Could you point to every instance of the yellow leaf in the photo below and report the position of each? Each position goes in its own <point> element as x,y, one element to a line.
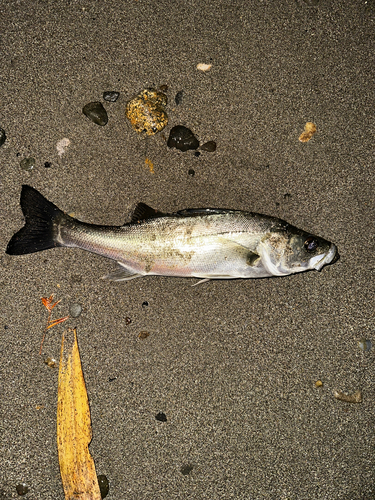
<point>74,425</point>
<point>150,165</point>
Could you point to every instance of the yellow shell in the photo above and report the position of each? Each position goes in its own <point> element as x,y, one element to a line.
<point>146,112</point>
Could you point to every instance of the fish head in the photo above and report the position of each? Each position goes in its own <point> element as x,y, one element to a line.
<point>288,250</point>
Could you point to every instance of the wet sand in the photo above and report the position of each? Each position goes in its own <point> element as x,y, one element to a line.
<point>232,364</point>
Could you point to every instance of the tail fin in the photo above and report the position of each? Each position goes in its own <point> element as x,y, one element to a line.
<point>38,231</point>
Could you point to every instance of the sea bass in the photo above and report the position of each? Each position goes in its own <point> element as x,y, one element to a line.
<point>206,243</point>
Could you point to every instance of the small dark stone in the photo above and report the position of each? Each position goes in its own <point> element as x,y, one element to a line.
<point>6,327</point>
<point>96,112</point>
<point>3,136</point>
<point>162,417</point>
<point>22,489</point>
<point>179,97</point>
<point>128,320</point>
<point>191,172</point>
<point>48,164</point>
<point>182,138</point>
<point>111,96</point>
<point>143,335</point>
<point>209,146</point>
<point>103,485</point>
<point>145,303</point>
<point>163,88</point>
<point>111,379</point>
<point>186,469</point>
<point>197,154</point>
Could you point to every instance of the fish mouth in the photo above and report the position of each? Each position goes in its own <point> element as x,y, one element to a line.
<point>330,258</point>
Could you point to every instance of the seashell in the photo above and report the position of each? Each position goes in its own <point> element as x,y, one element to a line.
<point>349,398</point>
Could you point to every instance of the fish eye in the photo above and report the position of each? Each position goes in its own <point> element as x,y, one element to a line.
<point>311,244</point>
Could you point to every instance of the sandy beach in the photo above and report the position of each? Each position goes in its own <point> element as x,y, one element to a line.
<point>232,364</point>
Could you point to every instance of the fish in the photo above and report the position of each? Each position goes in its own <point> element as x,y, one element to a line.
<point>205,243</point>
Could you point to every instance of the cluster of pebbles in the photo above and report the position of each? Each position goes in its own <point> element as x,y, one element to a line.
<point>147,115</point>
<point>182,138</point>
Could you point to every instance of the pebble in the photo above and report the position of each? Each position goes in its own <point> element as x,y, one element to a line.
<point>179,97</point>
<point>51,362</point>
<point>146,112</point>
<point>162,417</point>
<point>3,136</point>
<point>209,146</point>
<point>143,335</point>
<point>311,3</point>
<point>186,469</point>
<point>103,485</point>
<point>365,344</point>
<point>182,138</point>
<point>22,489</point>
<point>75,310</point>
<point>47,164</point>
<point>111,96</point>
<point>27,164</point>
<point>96,112</point>
<point>191,172</point>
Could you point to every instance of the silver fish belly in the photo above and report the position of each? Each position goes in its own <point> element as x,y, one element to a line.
<point>201,243</point>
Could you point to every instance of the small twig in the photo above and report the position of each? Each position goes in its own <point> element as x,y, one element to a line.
<point>49,305</point>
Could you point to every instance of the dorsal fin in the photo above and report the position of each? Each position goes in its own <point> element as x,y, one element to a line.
<point>192,212</point>
<point>143,212</point>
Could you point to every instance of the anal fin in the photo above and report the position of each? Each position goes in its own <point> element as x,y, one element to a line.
<point>122,273</point>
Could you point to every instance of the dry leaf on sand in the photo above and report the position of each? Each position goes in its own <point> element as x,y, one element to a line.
<point>74,425</point>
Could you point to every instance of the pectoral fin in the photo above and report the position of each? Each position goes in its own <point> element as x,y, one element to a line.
<point>235,263</point>
<point>235,249</point>
<point>122,273</point>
